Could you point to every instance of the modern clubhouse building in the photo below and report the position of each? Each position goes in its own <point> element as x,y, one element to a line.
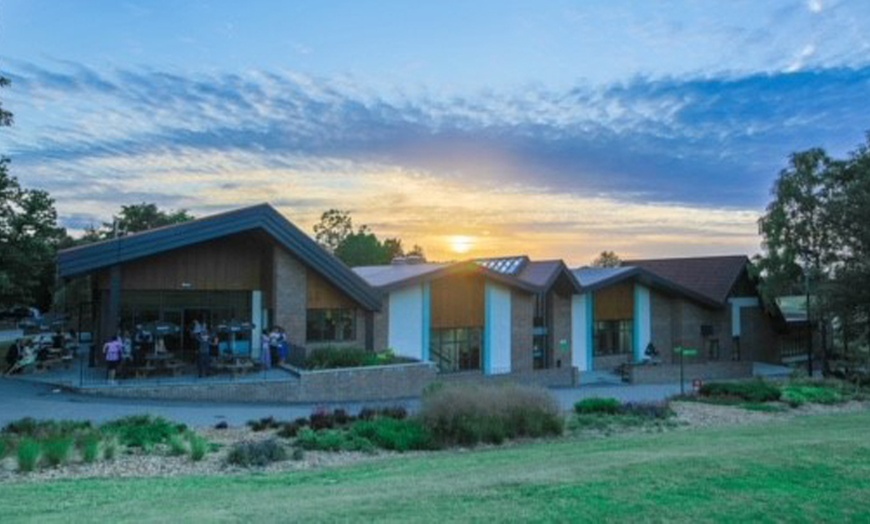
<point>508,316</point>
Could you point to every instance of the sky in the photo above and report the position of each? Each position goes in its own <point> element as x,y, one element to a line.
<point>556,129</point>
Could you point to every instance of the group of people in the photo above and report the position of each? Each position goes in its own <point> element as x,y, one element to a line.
<point>274,347</point>
<point>26,351</point>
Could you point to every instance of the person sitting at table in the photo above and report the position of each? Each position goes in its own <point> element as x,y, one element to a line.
<point>12,356</point>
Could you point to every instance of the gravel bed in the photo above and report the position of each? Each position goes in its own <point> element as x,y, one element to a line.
<point>689,415</point>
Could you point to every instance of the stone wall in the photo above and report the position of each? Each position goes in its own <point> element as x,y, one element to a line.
<point>554,377</point>
<point>336,385</point>
<point>522,317</point>
<point>665,373</point>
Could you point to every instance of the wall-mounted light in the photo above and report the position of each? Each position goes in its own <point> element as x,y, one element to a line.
<point>186,285</point>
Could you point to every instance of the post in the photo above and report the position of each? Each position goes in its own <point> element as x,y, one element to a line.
<point>682,372</point>
<point>809,325</point>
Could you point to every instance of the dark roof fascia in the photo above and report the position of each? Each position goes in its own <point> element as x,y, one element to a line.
<point>92,257</point>
<point>563,269</point>
<point>456,268</point>
<point>653,280</point>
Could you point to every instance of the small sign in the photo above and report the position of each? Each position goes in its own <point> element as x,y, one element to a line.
<point>686,352</point>
<point>563,346</point>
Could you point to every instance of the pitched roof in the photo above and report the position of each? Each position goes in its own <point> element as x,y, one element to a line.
<point>92,257</point>
<point>393,276</point>
<point>711,277</point>
<point>595,278</point>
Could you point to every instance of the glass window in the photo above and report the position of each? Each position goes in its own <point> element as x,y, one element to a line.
<point>330,325</point>
<point>613,337</point>
<point>456,349</point>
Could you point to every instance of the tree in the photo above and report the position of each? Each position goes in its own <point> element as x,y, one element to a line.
<point>335,225</point>
<point>29,235</point>
<point>142,217</point>
<point>335,233</point>
<point>607,259</point>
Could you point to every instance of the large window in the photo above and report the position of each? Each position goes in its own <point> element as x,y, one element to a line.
<point>456,349</point>
<point>613,337</point>
<point>330,325</point>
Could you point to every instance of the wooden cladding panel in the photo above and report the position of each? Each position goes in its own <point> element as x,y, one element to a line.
<point>615,302</point>
<point>458,301</point>
<point>227,264</point>
<point>323,295</point>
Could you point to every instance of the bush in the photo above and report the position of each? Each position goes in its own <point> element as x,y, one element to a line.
<point>4,447</point>
<point>262,453</point>
<point>331,358</point>
<point>798,395</point>
<point>55,450</point>
<point>607,406</point>
<point>28,454</point>
<point>42,429</point>
<point>110,449</point>
<point>394,434</point>
<point>333,440</point>
<point>143,431</point>
<point>263,424</point>
<point>648,410</point>
<point>177,446</point>
<point>749,391</point>
<point>198,447</point>
<point>470,414</point>
<point>90,448</point>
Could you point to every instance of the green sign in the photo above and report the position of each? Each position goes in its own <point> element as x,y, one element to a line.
<point>686,352</point>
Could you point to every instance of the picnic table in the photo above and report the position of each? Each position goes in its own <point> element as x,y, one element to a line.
<point>236,365</point>
<point>159,362</point>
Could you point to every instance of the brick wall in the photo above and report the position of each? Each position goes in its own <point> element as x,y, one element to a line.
<point>381,325</point>
<point>561,322</point>
<point>758,339</point>
<point>291,295</point>
<point>338,385</point>
<point>554,377</point>
<point>522,317</point>
<point>646,374</point>
<point>661,323</point>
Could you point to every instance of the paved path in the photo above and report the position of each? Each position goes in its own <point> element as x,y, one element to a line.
<point>25,398</point>
<point>21,398</point>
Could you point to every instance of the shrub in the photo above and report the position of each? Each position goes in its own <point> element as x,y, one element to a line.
<point>28,454</point>
<point>799,395</point>
<point>608,406</point>
<point>261,453</point>
<point>263,424</point>
<point>649,410</point>
<point>143,431</point>
<point>90,448</point>
<point>331,358</point>
<point>42,429</point>
<point>55,450</point>
<point>110,449</point>
<point>176,446</point>
<point>198,447</point>
<point>333,440</point>
<point>298,454</point>
<point>749,391</point>
<point>469,414</point>
<point>289,429</point>
<point>394,434</point>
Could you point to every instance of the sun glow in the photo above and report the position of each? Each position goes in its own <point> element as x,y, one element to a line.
<point>461,244</point>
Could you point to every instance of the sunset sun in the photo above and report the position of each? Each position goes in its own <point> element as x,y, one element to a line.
<point>461,244</point>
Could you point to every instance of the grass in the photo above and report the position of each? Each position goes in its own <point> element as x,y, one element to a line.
<point>807,469</point>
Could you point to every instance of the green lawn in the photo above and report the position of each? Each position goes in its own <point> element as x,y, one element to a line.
<point>811,469</point>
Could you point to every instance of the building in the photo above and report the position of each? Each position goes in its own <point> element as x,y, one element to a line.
<point>650,307</point>
<point>250,265</point>
<point>491,316</point>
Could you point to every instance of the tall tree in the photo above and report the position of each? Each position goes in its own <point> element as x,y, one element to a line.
<point>335,225</point>
<point>29,235</point>
<point>142,217</point>
<point>607,259</point>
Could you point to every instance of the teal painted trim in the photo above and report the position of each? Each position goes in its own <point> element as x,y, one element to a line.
<point>590,330</point>
<point>427,321</point>
<point>487,330</point>
<point>635,325</point>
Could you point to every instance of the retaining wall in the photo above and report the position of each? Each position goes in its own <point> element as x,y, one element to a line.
<point>656,374</point>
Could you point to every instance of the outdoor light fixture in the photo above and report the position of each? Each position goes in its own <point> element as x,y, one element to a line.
<point>186,285</point>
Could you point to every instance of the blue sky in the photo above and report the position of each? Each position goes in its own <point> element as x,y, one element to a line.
<point>558,129</point>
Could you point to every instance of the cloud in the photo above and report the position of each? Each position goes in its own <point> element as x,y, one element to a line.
<point>99,139</point>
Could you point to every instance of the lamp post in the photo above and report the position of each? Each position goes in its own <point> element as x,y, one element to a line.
<point>807,254</point>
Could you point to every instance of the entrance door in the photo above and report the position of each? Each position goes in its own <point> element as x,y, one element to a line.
<point>174,342</point>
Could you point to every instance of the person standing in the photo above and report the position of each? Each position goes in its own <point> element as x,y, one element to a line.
<point>113,351</point>
<point>203,357</point>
